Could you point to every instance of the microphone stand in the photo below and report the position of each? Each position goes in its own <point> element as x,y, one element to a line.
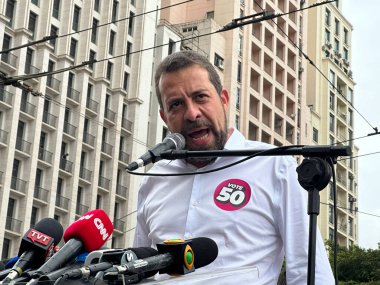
<point>314,174</point>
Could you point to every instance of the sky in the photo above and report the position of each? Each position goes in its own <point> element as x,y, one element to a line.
<point>365,63</point>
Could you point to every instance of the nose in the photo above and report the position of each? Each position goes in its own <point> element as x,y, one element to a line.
<point>192,112</point>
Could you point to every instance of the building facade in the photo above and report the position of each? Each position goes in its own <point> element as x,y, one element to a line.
<point>331,102</point>
<point>64,150</point>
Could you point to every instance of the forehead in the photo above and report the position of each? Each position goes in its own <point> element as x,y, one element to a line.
<point>192,77</point>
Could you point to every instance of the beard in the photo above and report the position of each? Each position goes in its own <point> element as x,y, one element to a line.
<point>220,141</point>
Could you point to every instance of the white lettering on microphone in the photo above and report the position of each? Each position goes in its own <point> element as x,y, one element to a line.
<point>86,217</point>
<point>100,226</point>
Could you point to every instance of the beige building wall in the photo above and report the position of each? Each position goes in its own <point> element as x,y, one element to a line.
<point>333,114</point>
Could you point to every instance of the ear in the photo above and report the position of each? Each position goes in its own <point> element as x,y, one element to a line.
<point>163,117</point>
<point>225,98</point>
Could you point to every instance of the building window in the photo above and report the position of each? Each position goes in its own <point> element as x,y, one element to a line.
<point>336,45</point>
<point>76,18</point>
<point>331,214</point>
<point>9,11</point>
<point>126,81</point>
<point>219,61</point>
<point>97,5</point>
<point>237,122</point>
<point>28,61</point>
<point>332,101</point>
<point>337,26</point>
<point>35,2</point>
<point>111,47</point>
<point>345,54</point>
<point>34,216</point>
<point>53,32</point>
<point>109,70</point>
<point>171,47</point>
<point>315,135</point>
<point>332,123</point>
<point>32,23</point>
<point>92,57</point>
<point>115,7</point>
<point>239,72</point>
<point>94,31</point>
<point>128,54</point>
<point>131,21</point>
<point>133,3</point>
<point>327,17</point>
<point>210,15</point>
<point>332,79</point>
<point>238,98</point>
<point>6,249</point>
<point>345,36</point>
<point>55,12</point>
<point>73,48</point>
<point>327,36</point>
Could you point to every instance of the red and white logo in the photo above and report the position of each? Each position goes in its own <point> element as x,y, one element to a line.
<point>232,194</point>
<point>39,237</point>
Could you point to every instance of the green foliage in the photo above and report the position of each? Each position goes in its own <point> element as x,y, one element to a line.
<point>356,265</point>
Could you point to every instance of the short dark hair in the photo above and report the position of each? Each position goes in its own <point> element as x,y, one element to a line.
<point>182,59</point>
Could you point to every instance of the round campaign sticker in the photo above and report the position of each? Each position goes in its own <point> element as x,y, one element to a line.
<point>232,194</point>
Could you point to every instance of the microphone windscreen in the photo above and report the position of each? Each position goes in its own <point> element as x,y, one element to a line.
<point>50,227</point>
<point>205,251</point>
<point>144,252</point>
<point>47,226</point>
<point>93,229</point>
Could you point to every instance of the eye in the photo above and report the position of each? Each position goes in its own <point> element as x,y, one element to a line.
<point>201,97</point>
<point>175,104</point>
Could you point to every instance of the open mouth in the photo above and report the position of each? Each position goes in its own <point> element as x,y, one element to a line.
<point>199,134</point>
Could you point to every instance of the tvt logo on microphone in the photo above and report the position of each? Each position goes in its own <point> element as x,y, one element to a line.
<point>232,194</point>
<point>36,236</point>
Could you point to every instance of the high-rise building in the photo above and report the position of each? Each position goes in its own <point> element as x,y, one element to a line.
<point>330,95</point>
<point>64,147</point>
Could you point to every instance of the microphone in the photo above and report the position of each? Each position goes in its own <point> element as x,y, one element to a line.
<point>36,246</point>
<point>107,260</point>
<point>174,141</point>
<point>88,233</point>
<point>174,257</point>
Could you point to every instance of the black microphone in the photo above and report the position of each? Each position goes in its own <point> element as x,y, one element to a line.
<point>88,233</point>
<point>36,247</point>
<point>174,141</point>
<point>174,257</point>
<point>107,260</point>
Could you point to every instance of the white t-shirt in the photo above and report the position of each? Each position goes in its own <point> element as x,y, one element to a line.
<point>255,211</point>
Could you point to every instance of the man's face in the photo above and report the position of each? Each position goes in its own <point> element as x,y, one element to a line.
<point>192,107</point>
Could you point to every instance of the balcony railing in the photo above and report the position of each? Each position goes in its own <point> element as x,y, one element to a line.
<point>49,119</point>
<point>123,156</point>
<point>62,202</point>
<point>3,136</point>
<point>23,145</point>
<point>66,165</point>
<point>69,129</point>
<point>18,184</point>
<point>126,124</point>
<point>28,108</point>
<point>107,148</point>
<point>104,182</point>
<point>73,94</point>
<point>6,97</point>
<point>118,225</point>
<point>121,190</point>
<point>110,115</point>
<point>30,69</point>
<point>13,225</point>
<point>88,139</point>
<point>9,58</point>
<point>81,209</point>
<point>53,83</point>
<point>92,105</point>
<point>40,193</point>
<point>85,174</point>
<point>45,155</point>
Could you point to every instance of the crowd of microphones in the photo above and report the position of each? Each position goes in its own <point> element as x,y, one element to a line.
<point>83,259</point>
